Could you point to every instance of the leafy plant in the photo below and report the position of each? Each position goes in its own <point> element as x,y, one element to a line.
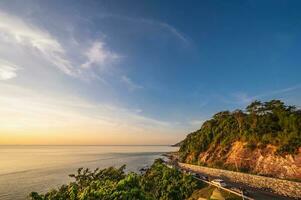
<point>159,182</point>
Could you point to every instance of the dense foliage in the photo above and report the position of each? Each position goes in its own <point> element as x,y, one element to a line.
<point>165,183</point>
<point>260,124</point>
<point>159,182</point>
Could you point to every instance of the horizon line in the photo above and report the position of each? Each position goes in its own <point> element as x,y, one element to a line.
<point>86,144</point>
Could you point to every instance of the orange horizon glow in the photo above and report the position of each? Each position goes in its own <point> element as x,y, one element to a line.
<point>29,119</point>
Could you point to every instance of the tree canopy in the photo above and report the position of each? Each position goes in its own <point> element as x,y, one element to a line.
<point>159,182</point>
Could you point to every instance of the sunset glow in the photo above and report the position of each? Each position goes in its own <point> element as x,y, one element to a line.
<point>123,75</point>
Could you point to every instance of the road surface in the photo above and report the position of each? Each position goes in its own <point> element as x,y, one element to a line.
<point>253,193</point>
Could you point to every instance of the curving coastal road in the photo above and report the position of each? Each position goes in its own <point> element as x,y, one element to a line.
<point>252,193</point>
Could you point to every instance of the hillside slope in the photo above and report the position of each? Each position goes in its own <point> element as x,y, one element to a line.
<point>265,139</point>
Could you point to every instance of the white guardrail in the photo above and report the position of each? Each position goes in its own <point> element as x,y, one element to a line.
<point>223,188</point>
<point>226,189</point>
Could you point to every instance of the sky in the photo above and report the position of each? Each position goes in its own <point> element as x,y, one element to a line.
<point>140,72</point>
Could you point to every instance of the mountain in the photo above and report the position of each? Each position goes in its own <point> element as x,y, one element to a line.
<point>264,139</point>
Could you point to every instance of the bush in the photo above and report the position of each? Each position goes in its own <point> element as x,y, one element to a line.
<point>159,182</point>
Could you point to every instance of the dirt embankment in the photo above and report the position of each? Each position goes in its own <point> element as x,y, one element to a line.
<point>262,161</point>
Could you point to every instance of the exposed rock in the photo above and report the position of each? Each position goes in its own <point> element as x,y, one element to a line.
<point>263,161</point>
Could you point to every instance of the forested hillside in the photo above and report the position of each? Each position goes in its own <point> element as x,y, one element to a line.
<point>267,128</point>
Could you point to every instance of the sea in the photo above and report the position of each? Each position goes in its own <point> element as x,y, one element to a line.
<point>24,169</point>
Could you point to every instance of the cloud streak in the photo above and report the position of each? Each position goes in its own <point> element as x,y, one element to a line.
<point>97,54</point>
<point>23,34</point>
<point>245,98</point>
<point>7,70</point>
<point>173,30</point>
<point>15,30</point>
<point>130,84</point>
<point>162,25</point>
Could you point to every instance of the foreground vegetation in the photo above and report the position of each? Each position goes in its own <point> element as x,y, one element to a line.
<point>159,182</point>
<point>259,125</point>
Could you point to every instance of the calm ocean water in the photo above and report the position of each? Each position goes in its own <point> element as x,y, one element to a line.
<point>38,168</point>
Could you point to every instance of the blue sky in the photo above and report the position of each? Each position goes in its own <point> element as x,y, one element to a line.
<point>156,69</point>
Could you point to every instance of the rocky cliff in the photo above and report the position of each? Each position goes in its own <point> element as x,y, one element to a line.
<point>262,161</point>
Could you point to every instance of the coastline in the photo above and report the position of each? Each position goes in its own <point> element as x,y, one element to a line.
<point>42,168</point>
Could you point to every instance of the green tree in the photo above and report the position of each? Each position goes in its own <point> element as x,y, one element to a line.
<point>160,182</point>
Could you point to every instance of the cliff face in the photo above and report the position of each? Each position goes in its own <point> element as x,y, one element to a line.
<point>262,161</point>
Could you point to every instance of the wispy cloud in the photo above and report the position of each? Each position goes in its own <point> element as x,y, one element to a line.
<point>173,30</point>
<point>162,25</point>
<point>244,98</point>
<point>97,54</point>
<point>41,42</point>
<point>130,84</point>
<point>281,91</point>
<point>16,30</point>
<point>7,70</point>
